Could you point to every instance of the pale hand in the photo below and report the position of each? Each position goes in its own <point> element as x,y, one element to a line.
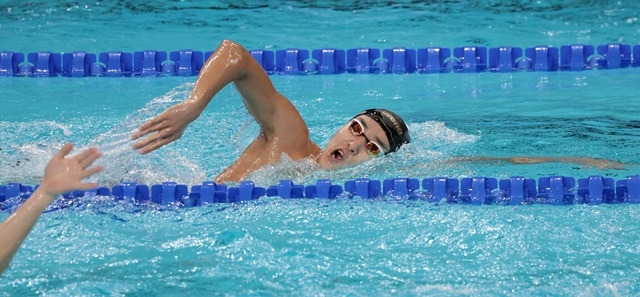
<point>166,127</point>
<point>64,174</point>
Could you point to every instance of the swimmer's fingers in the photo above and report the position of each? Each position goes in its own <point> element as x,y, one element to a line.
<point>151,125</point>
<point>87,157</point>
<point>160,130</point>
<point>158,139</point>
<point>91,171</point>
<point>64,151</point>
<point>142,144</point>
<point>155,145</point>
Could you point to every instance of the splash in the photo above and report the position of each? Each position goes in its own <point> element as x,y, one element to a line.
<point>300,172</point>
<point>212,143</point>
<point>122,163</point>
<point>431,150</point>
<point>434,134</point>
<point>433,144</point>
<point>25,163</point>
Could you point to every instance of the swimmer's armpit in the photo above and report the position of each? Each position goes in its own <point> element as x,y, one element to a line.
<point>589,162</point>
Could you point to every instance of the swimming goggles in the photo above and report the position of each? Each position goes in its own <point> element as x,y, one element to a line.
<point>357,129</point>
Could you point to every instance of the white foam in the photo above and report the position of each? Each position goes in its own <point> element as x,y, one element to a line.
<point>122,163</point>
<point>25,163</point>
<point>432,144</point>
<point>436,134</point>
<point>299,172</point>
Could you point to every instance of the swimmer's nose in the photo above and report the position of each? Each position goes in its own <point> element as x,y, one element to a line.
<point>356,145</point>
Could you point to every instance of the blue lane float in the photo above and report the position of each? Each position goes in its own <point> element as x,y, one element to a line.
<point>362,60</point>
<point>130,191</point>
<point>577,57</point>
<point>290,61</point>
<point>246,191</point>
<point>114,64</point>
<point>441,188</point>
<point>507,59</point>
<point>597,190</point>
<point>517,190</point>
<point>543,58</point>
<point>207,193</point>
<point>363,188</point>
<point>265,59</point>
<point>286,189</point>
<point>322,189</point>
<point>13,190</point>
<point>10,62</point>
<point>77,64</point>
<point>188,62</point>
<point>398,61</point>
<point>615,55</point>
<point>293,61</point>
<point>433,59</point>
<point>478,190</point>
<point>45,64</point>
<point>149,62</point>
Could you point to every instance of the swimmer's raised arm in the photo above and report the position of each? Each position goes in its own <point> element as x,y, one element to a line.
<point>229,63</point>
<point>61,175</point>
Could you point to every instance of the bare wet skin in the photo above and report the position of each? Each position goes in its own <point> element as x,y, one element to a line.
<point>584,161</point>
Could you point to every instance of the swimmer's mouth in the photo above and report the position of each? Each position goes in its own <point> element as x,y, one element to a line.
<point>337,155</point>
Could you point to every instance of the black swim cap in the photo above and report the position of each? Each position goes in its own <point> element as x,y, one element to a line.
<point>392,125</point>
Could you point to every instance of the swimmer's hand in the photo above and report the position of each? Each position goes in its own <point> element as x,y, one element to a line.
<point>64,174</point>
<point>61,175</point>
<point>166,127</point>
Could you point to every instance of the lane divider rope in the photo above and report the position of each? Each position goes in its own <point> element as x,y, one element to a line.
<point>292,61</point>
<point>556,190</point>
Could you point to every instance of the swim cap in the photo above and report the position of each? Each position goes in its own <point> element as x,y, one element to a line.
<point>392,125</point>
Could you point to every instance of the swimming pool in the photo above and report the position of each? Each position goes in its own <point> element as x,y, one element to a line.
<point>337,247</point>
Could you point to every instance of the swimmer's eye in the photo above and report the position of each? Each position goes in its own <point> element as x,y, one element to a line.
<point>373,148</point>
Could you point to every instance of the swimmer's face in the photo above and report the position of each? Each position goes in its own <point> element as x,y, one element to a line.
<point>359,140</point>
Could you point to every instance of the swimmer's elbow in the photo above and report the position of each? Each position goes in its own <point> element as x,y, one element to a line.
<point>236,55</point>
<point>233,47</point>
<point>229,43</point>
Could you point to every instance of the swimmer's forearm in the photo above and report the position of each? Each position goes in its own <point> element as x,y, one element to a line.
<point>233,63</point>
<point>15,228</point>
<point>229,63</point>
<point>225,65</point>
<point>599,163</point>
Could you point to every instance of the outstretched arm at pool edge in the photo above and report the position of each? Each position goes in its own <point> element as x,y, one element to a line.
<point>61,175</point>
<point>598,163</point>
<point>229,63</point>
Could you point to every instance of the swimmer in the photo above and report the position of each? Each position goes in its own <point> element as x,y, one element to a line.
<point>61,175</point>
<point>372,133</point>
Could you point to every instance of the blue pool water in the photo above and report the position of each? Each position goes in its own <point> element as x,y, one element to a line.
<point>338,247</point>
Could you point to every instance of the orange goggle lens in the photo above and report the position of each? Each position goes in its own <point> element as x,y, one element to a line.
<point>373,148</point>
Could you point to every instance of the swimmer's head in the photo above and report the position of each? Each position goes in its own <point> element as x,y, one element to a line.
<point>371,133</point>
